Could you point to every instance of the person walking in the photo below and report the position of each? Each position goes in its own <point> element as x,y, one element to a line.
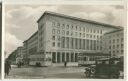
<point>65,64</point>
<point>7,67</point>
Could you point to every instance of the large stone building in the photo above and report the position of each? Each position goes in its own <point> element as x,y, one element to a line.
<point>62,38</point>
<point>114,43</point>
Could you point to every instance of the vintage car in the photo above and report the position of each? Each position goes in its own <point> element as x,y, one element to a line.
<point>106,68</point>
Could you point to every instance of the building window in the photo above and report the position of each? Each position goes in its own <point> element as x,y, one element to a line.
<point>87,35</point>
<point>122,51</point>
<point>97,31</point>
<point>100,31</point>
<point>58,38</point>
<point>90,36</point>
<point>97,37</point>
<point>63,42</point>
<point>58,24</point>
<point>113,46</point>
<point>100,37</point>
<point>71,33</point>
<point>76,28</point>
<point>83,34</point>
<point>113,52</point>
<point>122,45</point>
<point>67,26</point>
<point>117,46</point>
<point>117,40</point>
<point>58,31</point>
<point>72,27</point>
<point>117,35</point>
<point>94,31</point>
<point>80,34</point>
<point>117,51</point>
<point>109,47</point>
<point>53,44</point>
<point>67,33</point>
<point>91,31</point>
<point>53,24</point>
<point>113,40</point>
<point>83,29</point>
<point>94,36</point>
<point>109,52</point>
<point>53,37</point>
<point>122,39</point>
<point>79,28</point>
<point>58,44</point>
<point>63,26</point>
<point>63,32</point>
<point>53,31</point>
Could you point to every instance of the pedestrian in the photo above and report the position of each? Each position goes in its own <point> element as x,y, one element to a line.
<point>7,67</point>
<point>65,63</point>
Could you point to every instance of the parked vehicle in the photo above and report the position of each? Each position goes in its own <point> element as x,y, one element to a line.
<point>89,71</point>
<point>105,68</point>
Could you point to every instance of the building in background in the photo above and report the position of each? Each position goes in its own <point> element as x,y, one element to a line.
<point>12,57</point>
<point>16,56</point>
<point>114,43</point>
<point>30,48</point>
<point>19,55</point>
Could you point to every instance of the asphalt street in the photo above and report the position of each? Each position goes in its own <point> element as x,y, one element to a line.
<point>46,73</point>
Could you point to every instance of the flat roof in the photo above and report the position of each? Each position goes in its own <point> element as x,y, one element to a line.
<point>76,18</point>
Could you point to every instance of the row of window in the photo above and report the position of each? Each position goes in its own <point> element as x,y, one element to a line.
<point>116,40</point>
<point>91,58</point>
<point>115,52</point>
<point>33,50</point>
<point>75,27</point>
<point>116,46</point>
<point>117,35</point>
<point>74,43</point>
<point>76,34</point>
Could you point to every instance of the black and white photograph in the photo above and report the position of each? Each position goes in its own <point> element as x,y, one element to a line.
<point>64,41</point>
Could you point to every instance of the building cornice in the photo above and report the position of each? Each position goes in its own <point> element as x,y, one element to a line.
<point>76,18</point>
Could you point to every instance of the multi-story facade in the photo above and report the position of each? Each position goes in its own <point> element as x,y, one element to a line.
<point>62,38</point>
<point>19,55</point>
<point>25,56</point>
<point>114,43</point>
<point>30,48</point>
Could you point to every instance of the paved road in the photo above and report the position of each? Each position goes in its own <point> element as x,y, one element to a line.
<point>46,72</point>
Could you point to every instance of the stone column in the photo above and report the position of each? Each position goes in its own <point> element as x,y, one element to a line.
<point>69,57</point>
<point>65,56</point>
<point>60,57</point>
<point>74,57</point>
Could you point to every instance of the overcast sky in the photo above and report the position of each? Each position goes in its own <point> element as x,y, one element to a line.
<point>21,20</point>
